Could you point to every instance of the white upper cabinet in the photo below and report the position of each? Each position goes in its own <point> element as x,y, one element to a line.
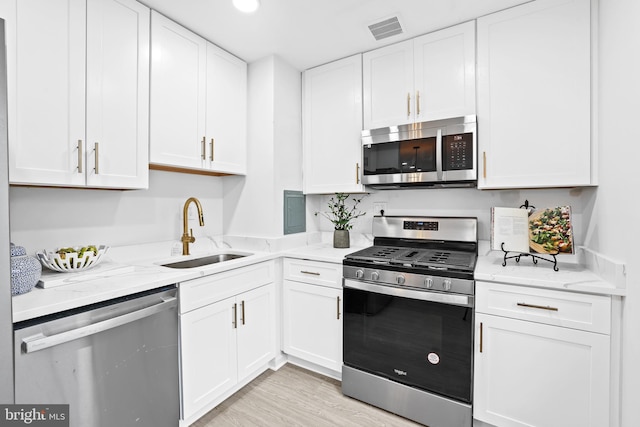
<point>388,96</point>
<point>198,102</point>
<point>534,94</point>
<point>445,73</point>
<point>80,81</point>
<point>427,78</point>
<point>332,126</point>
<point>178,90</point>
<point>226,120</point>
<point>117,94</point>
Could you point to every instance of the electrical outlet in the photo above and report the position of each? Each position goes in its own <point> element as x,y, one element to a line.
<point>379,208</point>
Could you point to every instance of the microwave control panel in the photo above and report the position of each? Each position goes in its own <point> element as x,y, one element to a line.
<point>457,151</point>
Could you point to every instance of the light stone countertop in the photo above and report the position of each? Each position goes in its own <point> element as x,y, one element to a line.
<point>148,274</point>
<point>570,276</point>
<point>321,252</point>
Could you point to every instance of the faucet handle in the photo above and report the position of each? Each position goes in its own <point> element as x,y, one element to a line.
<point>191,238</point>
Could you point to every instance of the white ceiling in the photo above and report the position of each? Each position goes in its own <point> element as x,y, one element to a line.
<point>307,33</point>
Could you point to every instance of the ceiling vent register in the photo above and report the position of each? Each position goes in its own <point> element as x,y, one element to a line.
<point>387,28</point>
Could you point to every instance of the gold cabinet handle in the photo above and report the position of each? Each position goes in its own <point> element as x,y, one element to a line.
<point>539,307</point>
<point>484,164</point>
<point>338,308</point>
<point>313,273</point>
<point>357,173</point>
<point>79,156</point>
<point>234,319</point>
<point>417,103</point>
<point>212,148</point>
<point>408,104</point>
<point>242,305</point>
<point>96,155</point>
<point>204,143</point>
<point>480,337</point>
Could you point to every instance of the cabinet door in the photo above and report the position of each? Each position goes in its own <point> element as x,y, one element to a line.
<point>178,89</point>
<point>388,89</point>
<point>208,354</point>
<point>534,86</point>
<point>530,374</point>
<point>312,323</point>
<point>444,73</point>
<point>256,329</point>
<point>226,112</point>
<point>117,94</point>
<point>332,127</point>
<point>47,142</point>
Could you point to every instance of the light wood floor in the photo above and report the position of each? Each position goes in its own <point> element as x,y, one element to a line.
<point>293,396</point>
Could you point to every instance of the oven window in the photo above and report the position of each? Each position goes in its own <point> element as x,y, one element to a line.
<point>416,155</point>
<point>418,343</point>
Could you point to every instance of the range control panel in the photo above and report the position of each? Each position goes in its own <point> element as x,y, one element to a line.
<point>421,225</point>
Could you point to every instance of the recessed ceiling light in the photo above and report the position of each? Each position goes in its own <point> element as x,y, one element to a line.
<point>246,6</point>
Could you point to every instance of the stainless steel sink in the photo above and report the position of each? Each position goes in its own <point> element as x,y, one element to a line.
<point>199,262</point>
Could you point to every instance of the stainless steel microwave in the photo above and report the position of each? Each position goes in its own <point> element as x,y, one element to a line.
<point>432,154</point>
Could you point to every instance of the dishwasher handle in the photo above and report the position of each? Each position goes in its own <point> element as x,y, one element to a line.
<point>40,341</point>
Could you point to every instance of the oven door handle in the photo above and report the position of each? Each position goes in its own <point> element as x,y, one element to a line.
<point>452,299</point>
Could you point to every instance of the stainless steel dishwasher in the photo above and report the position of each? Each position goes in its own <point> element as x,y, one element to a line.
<point>115,363</point>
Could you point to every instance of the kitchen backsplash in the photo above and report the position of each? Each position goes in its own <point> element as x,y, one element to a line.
<point>463,202</point>
<point>51,217</point>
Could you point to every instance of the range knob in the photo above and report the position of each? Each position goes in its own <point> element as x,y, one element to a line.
<point>428,282</point>
<point>359,274</point>
<point>446,284</point>
<point>375,275</point>
<point>400,279</point>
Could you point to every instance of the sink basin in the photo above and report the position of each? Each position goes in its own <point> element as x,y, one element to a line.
<point>207,260</point>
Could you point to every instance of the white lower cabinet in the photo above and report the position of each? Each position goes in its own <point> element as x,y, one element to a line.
<point>312,312</point>
<point>532,370</point>
<point>224,343</point>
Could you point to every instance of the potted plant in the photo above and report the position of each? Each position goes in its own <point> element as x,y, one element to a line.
<point>342,216</point>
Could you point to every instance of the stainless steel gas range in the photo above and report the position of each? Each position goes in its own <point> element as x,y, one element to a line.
<point>408,319</point>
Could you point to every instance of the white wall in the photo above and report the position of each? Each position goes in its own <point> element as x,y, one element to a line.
<point>253,204</point>
<point>464,202</point>
<point>613,229</point>
<point>47,218</point>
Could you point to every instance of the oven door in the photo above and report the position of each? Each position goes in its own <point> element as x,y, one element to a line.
<point>417,338</point>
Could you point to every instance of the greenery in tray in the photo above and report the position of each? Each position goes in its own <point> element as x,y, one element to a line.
<point>340,214</point>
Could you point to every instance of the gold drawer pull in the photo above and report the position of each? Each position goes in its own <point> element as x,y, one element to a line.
<point>97,158</point>
<point>309,272</point>
<point>484,164</point>
<point>79,156</point>
<point>540,307</point>
<point>338,308</point>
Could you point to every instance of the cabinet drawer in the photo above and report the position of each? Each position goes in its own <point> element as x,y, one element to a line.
<point>316,272</point>
<point>207,290</point>
<point>568,309</point>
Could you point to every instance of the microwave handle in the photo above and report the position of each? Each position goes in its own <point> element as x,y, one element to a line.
<point>439,142</point>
